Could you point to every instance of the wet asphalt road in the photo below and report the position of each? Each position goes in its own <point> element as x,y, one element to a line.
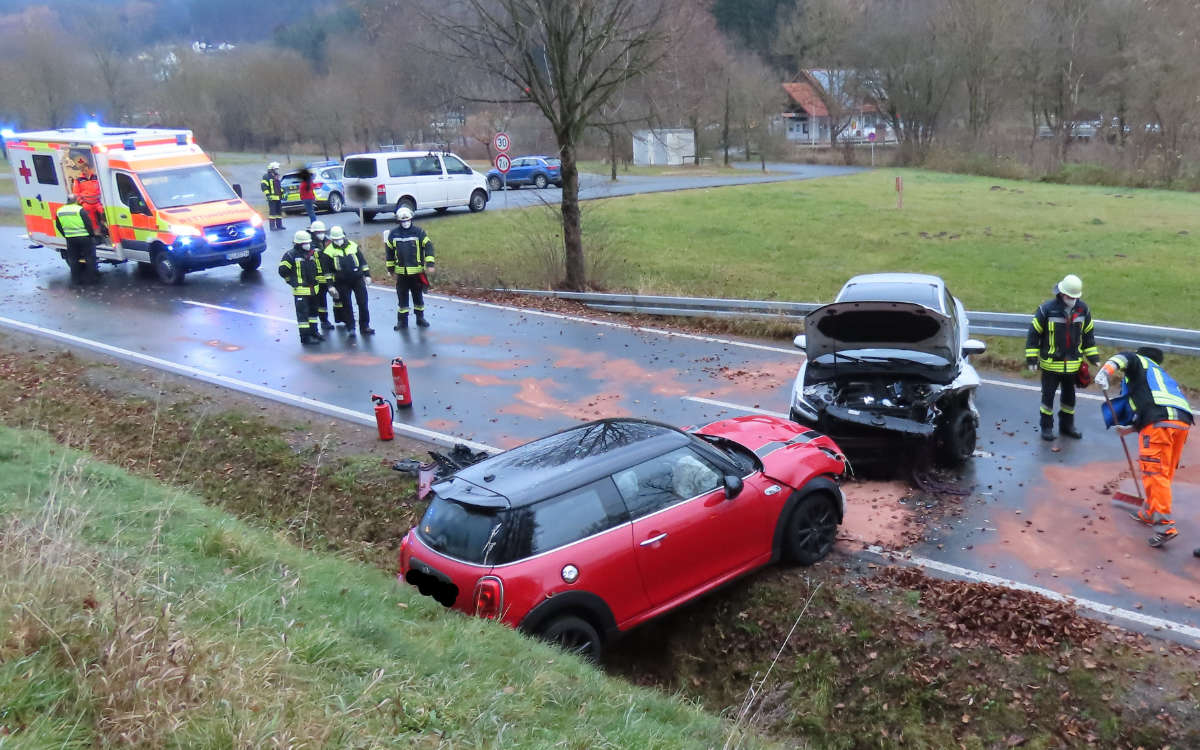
<point>502,376</point>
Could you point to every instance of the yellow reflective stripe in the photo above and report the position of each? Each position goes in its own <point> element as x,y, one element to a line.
<point>1031,352</point>
<point>1037,325</point>
<point>1066,409</point>
<point>1050,337</point>
<point>1119,360</point>
<point>1088,327</point>
<point>1092,351</point>
<point>1164,397</point>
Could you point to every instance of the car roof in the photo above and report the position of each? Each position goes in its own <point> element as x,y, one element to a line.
<point>920,288</point>
<point>387,154</point>
<point>570,458</point>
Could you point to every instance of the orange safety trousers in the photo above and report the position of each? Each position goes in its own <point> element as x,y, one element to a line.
<point>1160,446</point>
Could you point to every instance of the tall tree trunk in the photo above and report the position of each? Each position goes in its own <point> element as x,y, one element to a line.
<point>572,230</point>
<point>725,124</point>
<point>612,154</point>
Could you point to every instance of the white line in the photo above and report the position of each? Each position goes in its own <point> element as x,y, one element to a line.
<point>419,433</point>
<point>1037,389</point>
<point>735,407</point>
<point>1104,609</point>
<point>239,312</point>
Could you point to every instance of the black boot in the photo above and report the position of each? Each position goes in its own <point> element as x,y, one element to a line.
<point>1066,425</point>
<point>1047,427</point>
<point>401,321</point>
<point>421,322</point>
<point>366,330</point>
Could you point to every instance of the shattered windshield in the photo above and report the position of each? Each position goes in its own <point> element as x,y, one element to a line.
<point>172,188</point>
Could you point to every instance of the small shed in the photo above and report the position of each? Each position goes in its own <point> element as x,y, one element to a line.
<point>670,147</point>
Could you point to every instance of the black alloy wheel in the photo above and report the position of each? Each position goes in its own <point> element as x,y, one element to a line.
<point>958,438</point>
<point>812,528</point>
<point>574,635</point>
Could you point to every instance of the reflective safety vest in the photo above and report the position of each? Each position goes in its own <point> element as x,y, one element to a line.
<point>271,188</point>
<point>348,261</point>
<point>70,218</point>
<point>1154,395</point>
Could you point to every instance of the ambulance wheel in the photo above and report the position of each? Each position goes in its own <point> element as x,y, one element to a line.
<point>252,263</point>
<point>167,269</point>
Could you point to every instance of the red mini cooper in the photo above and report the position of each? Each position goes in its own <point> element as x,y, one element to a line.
<point>586,533</point>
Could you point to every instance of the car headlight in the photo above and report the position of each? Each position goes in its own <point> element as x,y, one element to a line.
<point>255,220</point>
<point>184,230</point>
<point>818,394</point>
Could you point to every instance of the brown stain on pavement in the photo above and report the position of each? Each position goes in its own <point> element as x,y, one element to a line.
<point>534,400</point>
<point>479,341</point>
<point>442,425</point>
<point>874,514</point>
<point>331,357</point>
<point>1072,536</point>
<point>760,379</point>
<point>491,364</point>
<point>223,345</point>
<point>619,371</point>
<point>486,380</point>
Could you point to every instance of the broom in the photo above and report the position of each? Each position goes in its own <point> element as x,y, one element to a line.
<point>1117,495</point>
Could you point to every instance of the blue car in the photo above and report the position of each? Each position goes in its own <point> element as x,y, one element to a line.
<point>539,171</point>
<point>327,187</point>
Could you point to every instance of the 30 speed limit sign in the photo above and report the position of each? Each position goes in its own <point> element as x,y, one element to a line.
<point>501,142</point>
<point>503,163</point>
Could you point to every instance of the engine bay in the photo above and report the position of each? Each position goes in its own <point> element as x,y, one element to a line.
<point>908,399</point>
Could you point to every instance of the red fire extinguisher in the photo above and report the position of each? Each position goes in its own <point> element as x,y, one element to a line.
<point>383,416</point>
<point>400,388</point>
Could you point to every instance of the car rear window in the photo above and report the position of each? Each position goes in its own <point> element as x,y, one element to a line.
<point>919,294</point>
<point>554,162</point>
<point>361,168</point>
<point>464,532</point>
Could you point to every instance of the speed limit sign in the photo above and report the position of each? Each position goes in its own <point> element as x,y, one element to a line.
<point>501,142</point>
<point>503,163</point>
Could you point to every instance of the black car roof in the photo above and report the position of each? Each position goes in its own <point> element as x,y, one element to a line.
<point>565,460</point>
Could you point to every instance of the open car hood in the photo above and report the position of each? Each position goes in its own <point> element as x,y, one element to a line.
<point>845,326</point>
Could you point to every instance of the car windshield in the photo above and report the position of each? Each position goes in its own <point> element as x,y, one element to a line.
<point>465,532</point>
<point>188,186</point>
<point>739,454</point>
<point>554,162</point>
<point>922,294</point>
<point>881,356</point>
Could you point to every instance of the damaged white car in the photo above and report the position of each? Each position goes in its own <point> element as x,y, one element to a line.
<point>887,363</point>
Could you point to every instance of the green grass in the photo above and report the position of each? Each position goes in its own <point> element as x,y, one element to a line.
<point>135,614</point>
<point>999,250</point>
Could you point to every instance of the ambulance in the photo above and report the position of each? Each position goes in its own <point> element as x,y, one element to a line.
<point>164,204</point>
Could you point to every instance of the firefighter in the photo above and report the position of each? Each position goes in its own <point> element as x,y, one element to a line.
<point>75,226</point>
<point>1060,334</point>
<point>272,190</point>
<point>350,275</point>
<point>409,253</point>
<point>320,240</point>
<point>87,193</point>
<point>1162,418</point>
<point>299,269</point>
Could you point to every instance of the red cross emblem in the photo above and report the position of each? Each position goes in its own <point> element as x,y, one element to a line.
<point>24,172</point>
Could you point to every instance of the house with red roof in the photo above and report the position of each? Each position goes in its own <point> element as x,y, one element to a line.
<point>808,119</point>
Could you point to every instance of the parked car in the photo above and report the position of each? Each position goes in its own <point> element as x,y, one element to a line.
<point>887,363</point>
<point>382,182</point>
<point>584,534</point>
<point>539,171</point>
<point>327,187</point>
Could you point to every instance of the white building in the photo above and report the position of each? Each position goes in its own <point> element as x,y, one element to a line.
<point>670,147</point>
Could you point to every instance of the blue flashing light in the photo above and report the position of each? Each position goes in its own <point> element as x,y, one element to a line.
<point>184,241</point>
<point>7,133</point>
<point>92,127</point>
<point>211,237</point>
<point>180,139</point>
<point>129,144</point>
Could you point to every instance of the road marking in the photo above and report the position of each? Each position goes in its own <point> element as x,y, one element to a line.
<point>419,433</point>
<point>1037,389</point>
<point>735,407</point>
<point>1103,609</point>
<point>239,312</point>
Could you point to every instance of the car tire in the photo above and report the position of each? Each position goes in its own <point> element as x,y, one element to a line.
<point>252,263</point>
<point>575,635</point>
<point>540,182</point>
<point>494,183</point>
<point>167,270</point>
<point>478,202</point>
<point>958,436</point>
<point>336,204</point>
<point>408,203</point>
<point>811,528</point>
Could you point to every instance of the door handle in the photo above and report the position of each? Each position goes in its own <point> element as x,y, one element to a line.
<point>653,539</point>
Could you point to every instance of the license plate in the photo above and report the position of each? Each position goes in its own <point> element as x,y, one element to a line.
<point>239,254</point>
<point>292,197</point>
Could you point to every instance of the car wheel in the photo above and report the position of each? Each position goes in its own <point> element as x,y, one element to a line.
<point>540,182</point>
<point>958,437</point>
<point>812,528</point>
<point>478,201</point>
<point>575,635</point>
<point>167,269</point>
<point>494,183</point>
<point>252,263</point>
<point>408,203</point>
<point>336,204</point>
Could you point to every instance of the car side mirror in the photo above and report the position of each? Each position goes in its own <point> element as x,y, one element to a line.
<point>972,347</point>
<point>733,486</point>
<point>800,342</point>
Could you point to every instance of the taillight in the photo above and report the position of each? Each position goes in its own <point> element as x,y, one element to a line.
<point>318,185</point>
<point>489,598</point>
<point>381,193</point>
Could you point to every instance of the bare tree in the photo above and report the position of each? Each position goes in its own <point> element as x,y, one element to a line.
<point>819,36</point>
<point>569,59</point>
<point>977,29</point>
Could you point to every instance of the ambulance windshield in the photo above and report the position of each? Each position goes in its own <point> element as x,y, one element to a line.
<point>187,186</point>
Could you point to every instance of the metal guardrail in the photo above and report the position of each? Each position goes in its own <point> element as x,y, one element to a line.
<point>1109,333</point>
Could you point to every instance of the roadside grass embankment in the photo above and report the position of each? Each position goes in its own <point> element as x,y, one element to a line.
<point>136,615</point>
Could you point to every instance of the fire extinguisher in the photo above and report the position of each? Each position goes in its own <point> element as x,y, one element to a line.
<point>400,387</point>
<point>383,416</point>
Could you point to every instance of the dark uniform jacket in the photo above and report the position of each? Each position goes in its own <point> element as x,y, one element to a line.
<point>271,187</point>
<point>1059,338</point>
<point>300,271</point>
<point>1153,394</point>
<point>408,250</point>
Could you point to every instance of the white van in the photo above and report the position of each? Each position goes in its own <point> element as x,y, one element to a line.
<point>383,182</point>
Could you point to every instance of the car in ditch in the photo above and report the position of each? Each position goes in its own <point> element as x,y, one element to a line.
<point>887,364</point>
<point>581,535</point>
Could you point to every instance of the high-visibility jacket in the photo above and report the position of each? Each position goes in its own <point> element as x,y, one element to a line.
<point>87,190</point>
<point>300,270</point>
<point>325,264</point>
<point>407,251</point>
<point>271,187</point>
<point>1154,395</point>
<point>1059,338</point>
<point>72,221</point>
<point>349,263</point>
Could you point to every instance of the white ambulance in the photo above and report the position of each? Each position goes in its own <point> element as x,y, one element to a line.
<point>163,203</point>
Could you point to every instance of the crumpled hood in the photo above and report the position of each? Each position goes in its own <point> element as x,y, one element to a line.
<point>843,326</point>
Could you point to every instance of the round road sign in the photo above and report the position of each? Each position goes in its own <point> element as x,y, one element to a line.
<point>503,163</point>
<point>871,136</point>
<point>501,142</point>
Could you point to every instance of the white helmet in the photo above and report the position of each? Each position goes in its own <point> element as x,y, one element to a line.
<point>336,233</point>
<point>317,226</point>
<point>301,237</point>
<point>404,214</point>
<point>273,165</point>
<point>1071,286</point>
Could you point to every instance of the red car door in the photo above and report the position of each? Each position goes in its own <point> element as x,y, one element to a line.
<point>686,533</point>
